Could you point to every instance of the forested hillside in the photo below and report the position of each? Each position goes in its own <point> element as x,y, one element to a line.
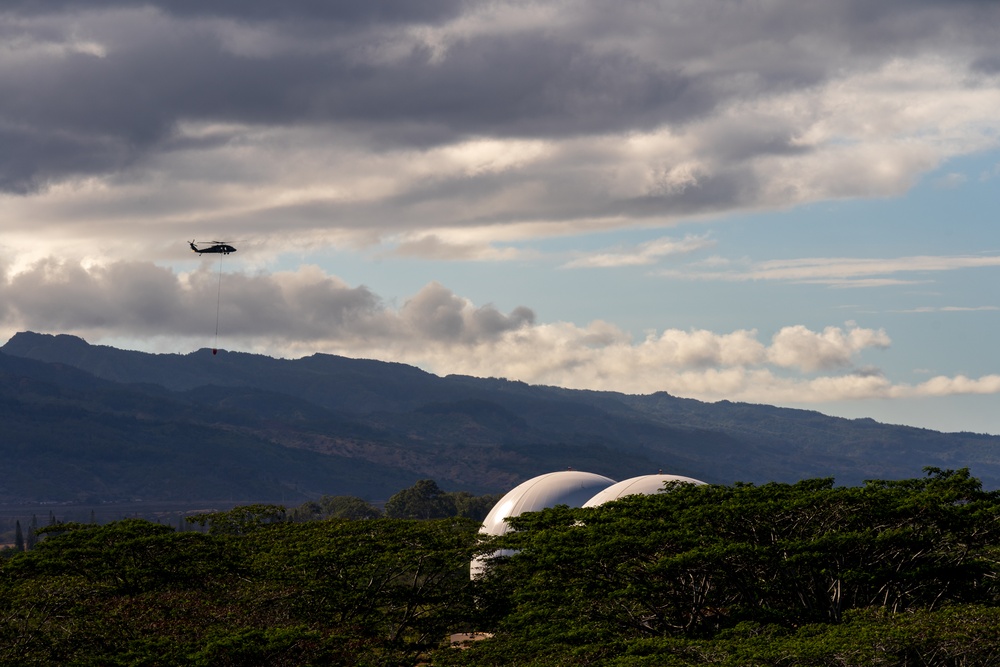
<point>108,424</point>
<point>894,573</point>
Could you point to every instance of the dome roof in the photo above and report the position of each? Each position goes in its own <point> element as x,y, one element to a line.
<point>646,485</point>
<point>567,487</point>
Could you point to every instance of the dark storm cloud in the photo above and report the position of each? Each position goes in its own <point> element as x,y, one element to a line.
<point>30,156</point>
<point>987,64</point>
<point>129,100</point>
<point>531,86</point>
<point>265,10</point>
<point>102,87</point>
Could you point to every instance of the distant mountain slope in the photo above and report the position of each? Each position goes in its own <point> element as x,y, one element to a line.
<point>329,424</point>
<point>335,382</point>
<point>70,436</point>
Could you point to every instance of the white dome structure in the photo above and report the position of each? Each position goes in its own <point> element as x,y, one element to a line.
<point>567,487</point>
<point>645,485</point>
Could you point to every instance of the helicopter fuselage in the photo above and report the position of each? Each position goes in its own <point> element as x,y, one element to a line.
<point>223,248</point>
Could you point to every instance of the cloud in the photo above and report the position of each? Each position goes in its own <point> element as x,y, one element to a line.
<point>367,123</point>
<point>431,246</point>
<point>643,254</point>
<point>300,312</point>
<point>438,315</point>
<point>949,309</point>
<point>292,308</point>
<point>838,271</point>
<point>797,346</point>
<point>947,386</point>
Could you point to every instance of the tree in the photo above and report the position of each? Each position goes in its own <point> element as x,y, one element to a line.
<point>32,538</point>
<point>365,592</point>
<point>700,559</point>
<point>400,583</point>
<point>474,507</point>
<point>110,594</point>
<point>240,520</point>
<point>335,507</point>
<point>18,536</point>
<point>423,500</point>
<point>778,574</point>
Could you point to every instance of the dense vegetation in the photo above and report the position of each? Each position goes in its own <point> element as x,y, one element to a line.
<point>889,573</point>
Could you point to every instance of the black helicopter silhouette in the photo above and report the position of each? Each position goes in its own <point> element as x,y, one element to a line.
<point>216,247</point>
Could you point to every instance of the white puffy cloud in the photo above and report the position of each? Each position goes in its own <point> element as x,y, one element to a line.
<point>798,347</point>
<point>947,386</point>
<point>139,299</point>
<point>697,363</point>
<point>437,314</point>
<point>294,313</point>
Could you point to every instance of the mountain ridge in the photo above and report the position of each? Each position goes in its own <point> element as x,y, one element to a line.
<point>336,425</point>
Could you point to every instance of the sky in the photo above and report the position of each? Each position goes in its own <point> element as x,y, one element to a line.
<point>788,202</point>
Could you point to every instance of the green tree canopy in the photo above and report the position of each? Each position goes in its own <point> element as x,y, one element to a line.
<point>240,520</point>
<point>474,507</point>
<point>335,507</point>
<point>423,500</point>
<point>699,560</point>
<point>891,573</point>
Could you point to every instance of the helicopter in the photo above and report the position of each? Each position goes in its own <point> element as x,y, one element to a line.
<point>216,247</point>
